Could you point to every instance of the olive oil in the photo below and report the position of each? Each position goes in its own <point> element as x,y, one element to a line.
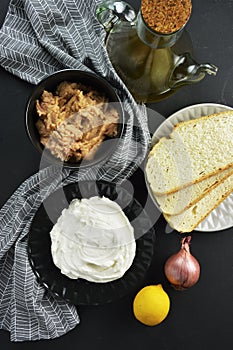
<point>145,71</point>
<point>147,61</point>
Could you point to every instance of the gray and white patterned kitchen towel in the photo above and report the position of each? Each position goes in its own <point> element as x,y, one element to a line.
<point>39,37</point>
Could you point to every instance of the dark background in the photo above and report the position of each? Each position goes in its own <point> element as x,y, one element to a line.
<point>199,318</point>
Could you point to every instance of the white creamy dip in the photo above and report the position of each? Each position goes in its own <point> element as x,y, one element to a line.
<point>93,239</point>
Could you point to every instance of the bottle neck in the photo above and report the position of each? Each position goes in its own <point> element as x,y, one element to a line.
<point>153,39</point>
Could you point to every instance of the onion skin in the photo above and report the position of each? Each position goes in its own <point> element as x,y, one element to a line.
<point>182,269</point>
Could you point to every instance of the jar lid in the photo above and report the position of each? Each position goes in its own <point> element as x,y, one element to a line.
<point>166,16</point>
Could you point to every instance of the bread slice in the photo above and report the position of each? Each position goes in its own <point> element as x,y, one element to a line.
<point>189,219</point>
<point>176,202</point>
<point>195,150</point>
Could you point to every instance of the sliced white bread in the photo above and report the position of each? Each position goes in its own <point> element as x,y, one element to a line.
<point>176,202</point>
<point>195,150</point>
<point>189,219</point>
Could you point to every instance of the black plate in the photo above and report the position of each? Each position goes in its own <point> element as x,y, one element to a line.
<point>82,292</point>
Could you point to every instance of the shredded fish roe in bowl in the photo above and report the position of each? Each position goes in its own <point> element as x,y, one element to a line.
<point>75,118</point>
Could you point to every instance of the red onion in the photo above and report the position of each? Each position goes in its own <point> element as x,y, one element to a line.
<point>182,269</point>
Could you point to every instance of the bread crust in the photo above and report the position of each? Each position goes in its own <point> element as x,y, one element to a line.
<point>205,117</point>
<point>205,215</point>
<point>199,197</point>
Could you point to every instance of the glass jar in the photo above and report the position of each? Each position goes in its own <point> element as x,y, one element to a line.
<point>147,61</point>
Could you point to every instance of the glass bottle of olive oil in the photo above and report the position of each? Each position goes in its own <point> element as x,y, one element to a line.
<point>149,62</point>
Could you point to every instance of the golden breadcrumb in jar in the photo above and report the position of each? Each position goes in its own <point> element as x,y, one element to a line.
<point>166,16</point>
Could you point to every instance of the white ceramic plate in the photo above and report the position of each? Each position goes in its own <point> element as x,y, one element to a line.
<point>222,217</point>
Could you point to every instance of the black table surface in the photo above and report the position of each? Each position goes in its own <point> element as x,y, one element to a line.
<point>199,318</point>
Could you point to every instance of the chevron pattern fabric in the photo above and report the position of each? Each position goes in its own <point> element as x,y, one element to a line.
<point>38,38</point>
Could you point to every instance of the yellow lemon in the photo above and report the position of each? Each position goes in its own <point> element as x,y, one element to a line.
<point>151,305</point>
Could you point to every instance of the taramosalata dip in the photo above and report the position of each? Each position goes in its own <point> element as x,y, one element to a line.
<point>94,240</point>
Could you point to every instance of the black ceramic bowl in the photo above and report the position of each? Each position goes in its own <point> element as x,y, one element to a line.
<point>50,84</point>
